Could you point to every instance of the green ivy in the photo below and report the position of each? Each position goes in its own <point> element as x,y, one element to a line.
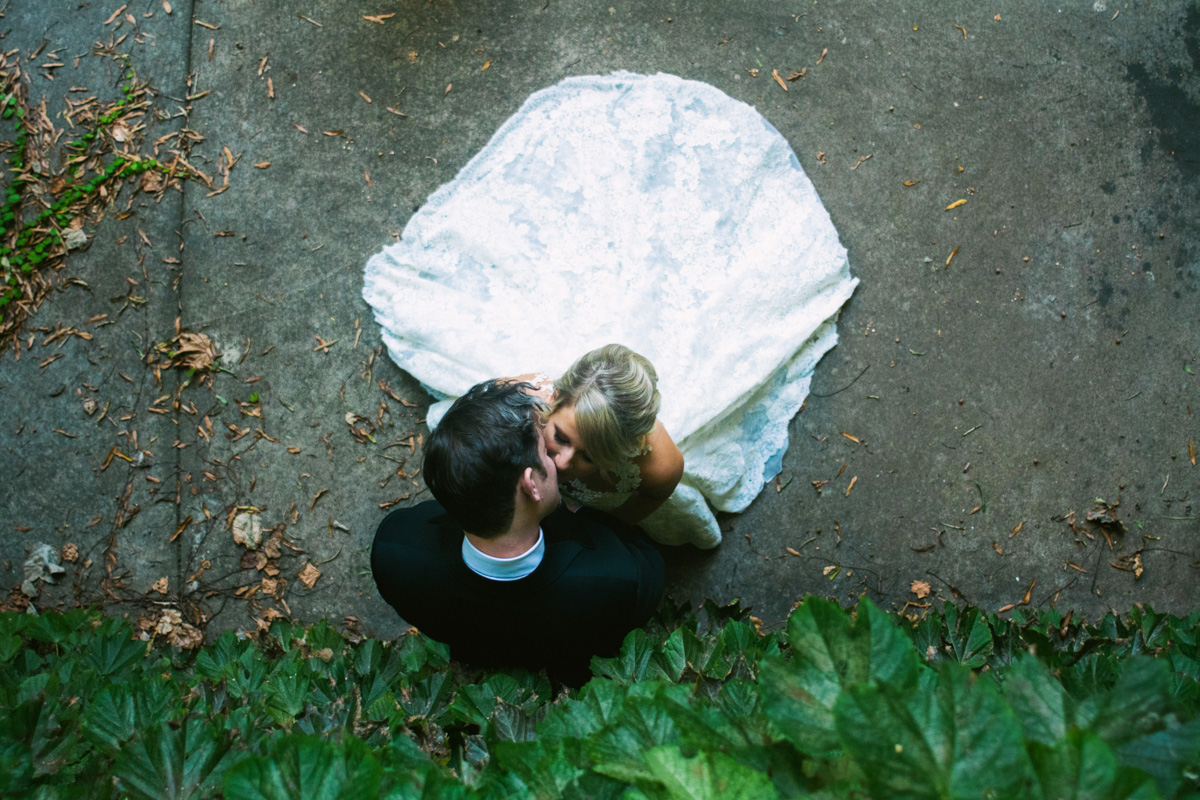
<point>32,245</point>
<point>959,704</point>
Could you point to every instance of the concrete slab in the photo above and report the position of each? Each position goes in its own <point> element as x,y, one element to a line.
<point>985,393</point>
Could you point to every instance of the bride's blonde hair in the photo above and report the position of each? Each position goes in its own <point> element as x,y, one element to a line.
<point>614,392</point>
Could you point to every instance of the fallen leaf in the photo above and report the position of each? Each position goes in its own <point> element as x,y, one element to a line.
<point>182,527</point>
<point>853,481</point>
<point>1017,529</point>
<point>753,72</point>
<point>363,95</point>
<point>1028,593</point>
<point>913,182</point>
<point>378,17</point>
<point>779,80</point>
<point>795,76</point>
<point>1008,607</point>
<point>208,25</point>
<point>920,588</point>
<point>1192,451</point>
<point>316,497</point>
<point>860,161</point>
<point>924,549</point>
<point>270,89</point>
<point>996,547</point>
<point>956,204</point>
<point>824,53</point>
<point>486,65</point>
<point>166,6</point>
<point>793,551</point>
<point>964,30</point>
<point>950,257</point>
<point>449,86</point>
<point>109,21</point>
<point>851,438</point>
<point>1076,567</point>
<point>309,575</point>
<point>160,585</point>
<point>394,111</point>
<point>247,530</point>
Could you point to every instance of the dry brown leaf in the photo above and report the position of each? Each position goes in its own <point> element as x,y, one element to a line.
<point>449,86</point>
<point>1192,451</point>
<point>486,65</point>
<point>996,547</point>
<point>851,438</point>
<point>1008,607</point>
<point>70,552</point>
<point>779,80</point>
<point>956,204</point>
<point>1028,593</point>
<point>795,76</point>
<point>793,551</point>
<point>913,182</point>
<point>160,585</point>
<point>853,481</point>
<point>309,575</point>
<point>363,95</point>
<point>166,6</point>
<point>920,588</point>
<point>1017,529</point>
<point>379,18</point>
<point>950,257</point>
<point>824,53</point>
<point>1076,567</point>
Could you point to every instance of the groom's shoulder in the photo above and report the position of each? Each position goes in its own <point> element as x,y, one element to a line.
<point>423,526</point>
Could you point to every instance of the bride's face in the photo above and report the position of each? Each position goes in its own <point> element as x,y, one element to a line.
<point>565,447</point>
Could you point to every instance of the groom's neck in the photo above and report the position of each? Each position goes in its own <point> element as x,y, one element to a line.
<point>513,542</point>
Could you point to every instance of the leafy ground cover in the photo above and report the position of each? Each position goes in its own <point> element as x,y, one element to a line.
<point>843,703</point>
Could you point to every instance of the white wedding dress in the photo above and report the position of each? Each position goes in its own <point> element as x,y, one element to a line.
<point>647,210</point>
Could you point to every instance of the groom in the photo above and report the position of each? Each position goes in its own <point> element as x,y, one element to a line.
<point>496,567</point>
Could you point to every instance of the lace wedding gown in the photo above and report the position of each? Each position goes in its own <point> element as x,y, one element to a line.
<point>651,211</point>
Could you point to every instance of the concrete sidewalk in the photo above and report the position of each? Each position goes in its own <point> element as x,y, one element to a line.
<point>974,402</point>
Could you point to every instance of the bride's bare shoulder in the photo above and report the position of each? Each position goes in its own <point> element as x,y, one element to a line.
<point>662,466</point>
<point>543,385</point>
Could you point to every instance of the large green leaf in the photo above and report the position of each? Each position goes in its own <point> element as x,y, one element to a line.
<point>1045,710</point>
<point>166,762</point>
<point>1165,754</point>
<point>1083,767</point>
<point>619,750</point>
<point>1134,706</point>
<point>952,738</point>
<point>713,776</point>
<point>302,766</point>
<point>829,655</point>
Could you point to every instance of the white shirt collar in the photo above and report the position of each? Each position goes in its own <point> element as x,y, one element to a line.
<point>504,569</point>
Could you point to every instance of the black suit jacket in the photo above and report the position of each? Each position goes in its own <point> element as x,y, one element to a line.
<point>592,587</point>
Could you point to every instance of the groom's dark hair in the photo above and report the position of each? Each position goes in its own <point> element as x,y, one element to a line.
<point>480,450</point>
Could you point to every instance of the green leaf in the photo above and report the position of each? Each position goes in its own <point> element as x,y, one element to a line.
<point>1131,708</point>
<point>618,751</point>
<point>167,762</point>
<point>969,636</point>
<point>1165,754</point>
<point>706,777</point>
<point>1082,767</point>
<point>828,656</point>
<point>1045,710</point>
<point>638,661</point>
<point>302,766</point>
<point>953,737</point>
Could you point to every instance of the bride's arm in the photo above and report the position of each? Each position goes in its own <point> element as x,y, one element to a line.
<point>661,470</point>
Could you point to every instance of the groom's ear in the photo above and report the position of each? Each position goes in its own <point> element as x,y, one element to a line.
<point>528,486</point>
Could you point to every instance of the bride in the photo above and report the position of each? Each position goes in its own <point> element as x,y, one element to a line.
<point>647,210</point>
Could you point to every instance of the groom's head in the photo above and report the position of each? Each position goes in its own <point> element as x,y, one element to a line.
<point>476,460</point>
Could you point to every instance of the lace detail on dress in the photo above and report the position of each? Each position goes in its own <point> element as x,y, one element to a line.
<point>646,210</point>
